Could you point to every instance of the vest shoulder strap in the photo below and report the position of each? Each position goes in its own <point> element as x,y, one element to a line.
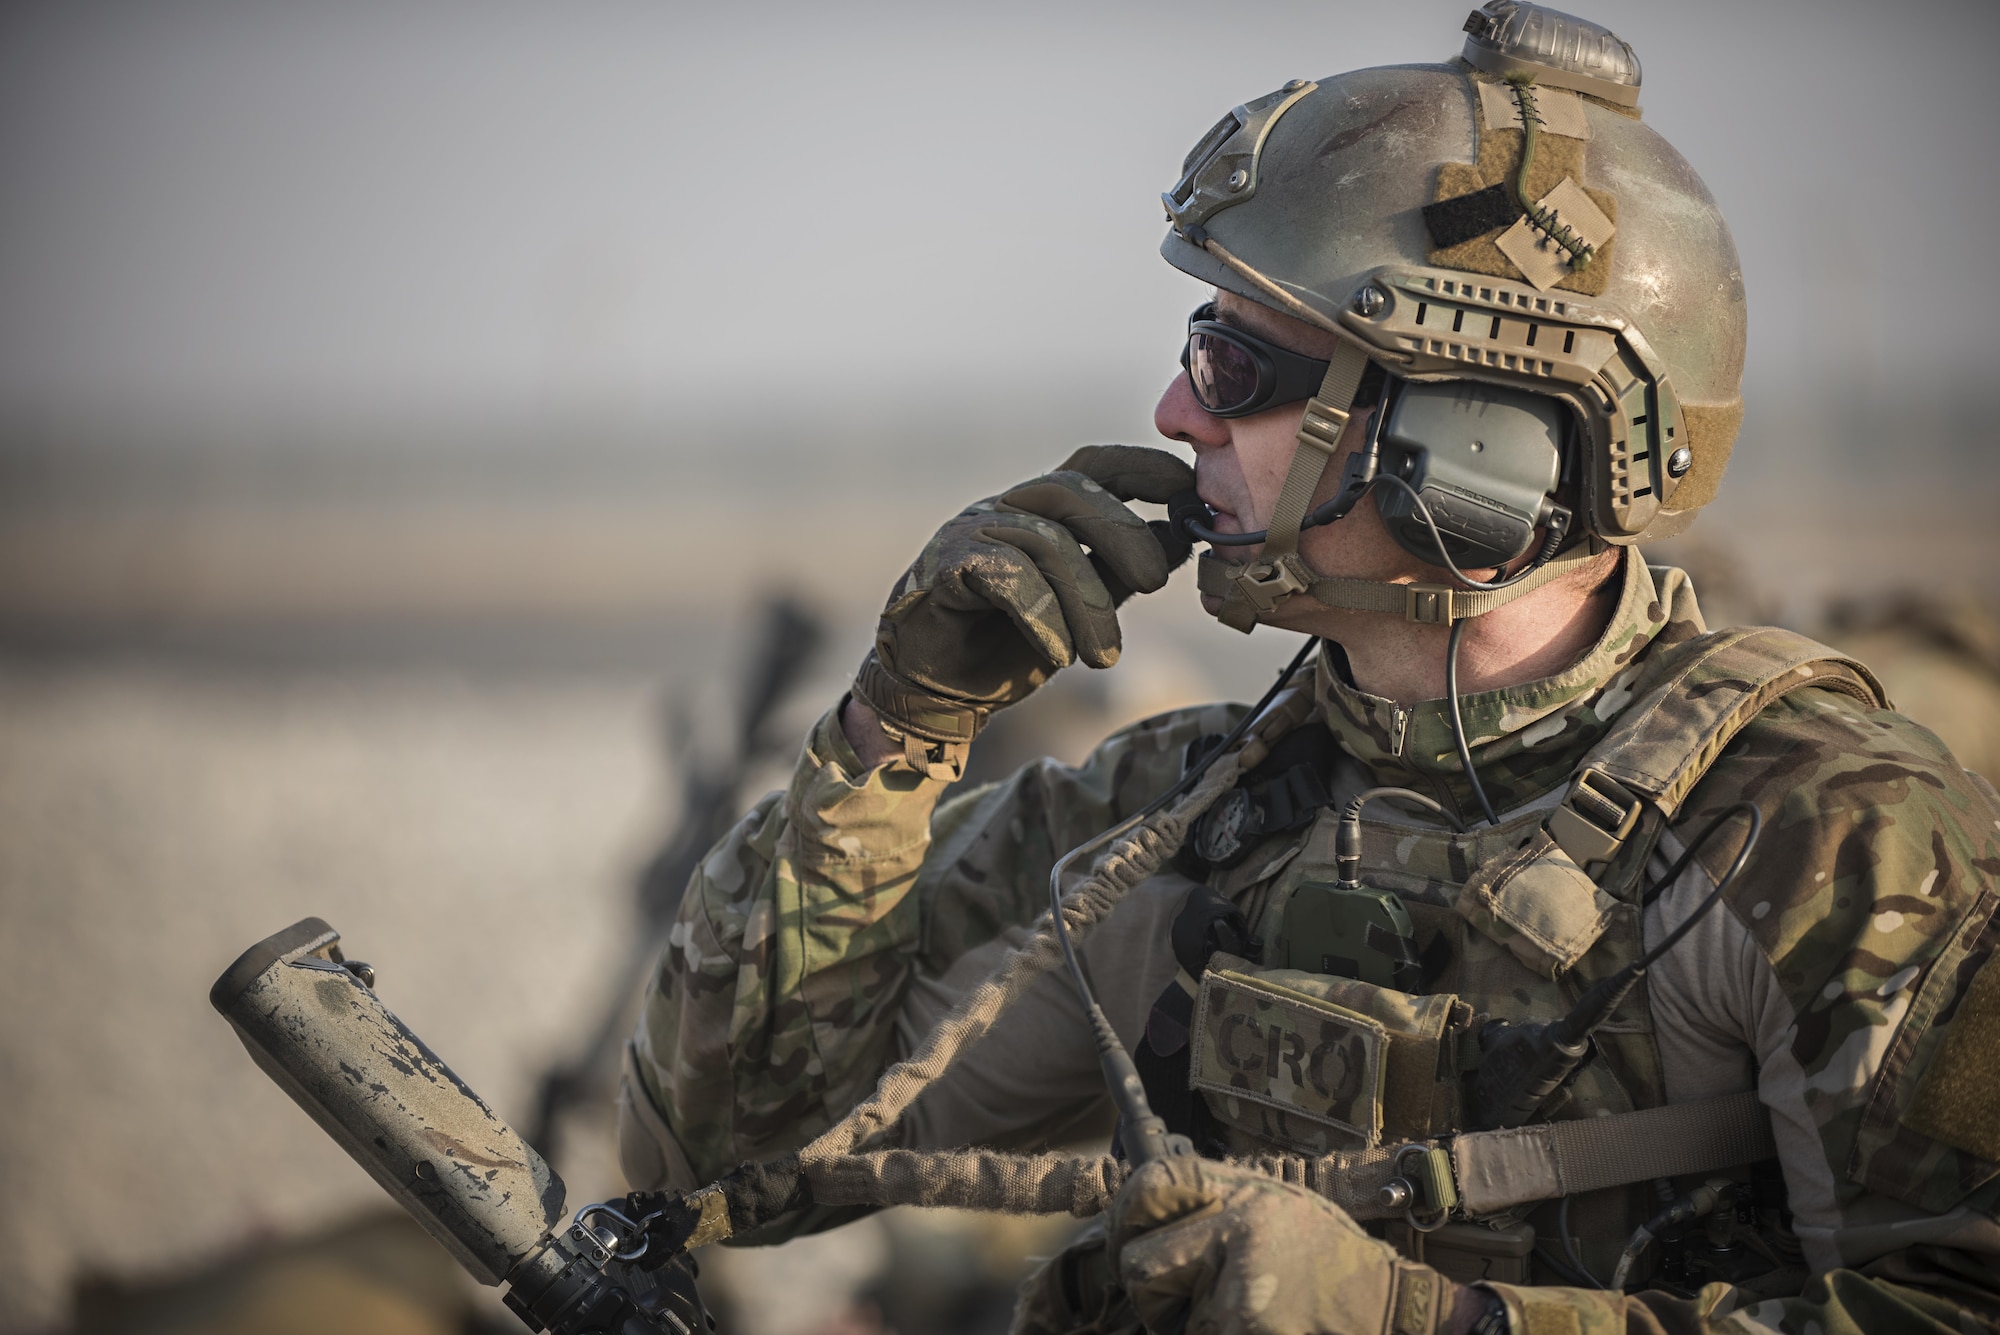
<point>1691,705</point>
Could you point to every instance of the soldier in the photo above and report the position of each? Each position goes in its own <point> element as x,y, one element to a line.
<point>1477,332</point>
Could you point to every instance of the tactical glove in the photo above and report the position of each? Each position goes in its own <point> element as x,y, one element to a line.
<point>1006,594</point>
<point>1214,1249</point>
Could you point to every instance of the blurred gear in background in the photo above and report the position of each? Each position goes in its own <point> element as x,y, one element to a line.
<point>1939,656</point>
<point>380,1273</point>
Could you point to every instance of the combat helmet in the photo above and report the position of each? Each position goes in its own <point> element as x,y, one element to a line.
<point>1504,225</point>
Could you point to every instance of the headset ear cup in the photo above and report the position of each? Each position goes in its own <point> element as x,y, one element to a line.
<point>1483,459</point>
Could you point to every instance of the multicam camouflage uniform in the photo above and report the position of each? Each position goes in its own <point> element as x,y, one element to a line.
<point>840,917</point>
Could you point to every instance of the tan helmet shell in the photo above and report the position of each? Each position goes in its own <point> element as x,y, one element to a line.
<point>1321,187</point>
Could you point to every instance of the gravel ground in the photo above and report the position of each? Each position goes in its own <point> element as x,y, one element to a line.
<point>471,838</point>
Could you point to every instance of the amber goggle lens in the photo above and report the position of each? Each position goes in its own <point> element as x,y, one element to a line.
<point>1224,374</point>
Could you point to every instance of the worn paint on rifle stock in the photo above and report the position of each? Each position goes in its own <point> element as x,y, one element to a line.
<point>371,1084</point>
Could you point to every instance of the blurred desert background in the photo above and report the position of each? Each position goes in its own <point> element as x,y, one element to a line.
<point>407,412</point>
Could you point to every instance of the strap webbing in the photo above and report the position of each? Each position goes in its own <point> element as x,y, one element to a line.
<point>1500,1169</point>
<point>1495,1170</point>
<point>1318,441</point>
<point>1255,588</point>
<point>1438,603</point>
<point>1665,741</point>
<point>1367,595</point>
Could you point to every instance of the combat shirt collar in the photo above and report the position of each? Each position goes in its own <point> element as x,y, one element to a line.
<point>1526,739</point>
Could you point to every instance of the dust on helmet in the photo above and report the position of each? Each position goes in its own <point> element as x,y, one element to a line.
<point>1505,219</point>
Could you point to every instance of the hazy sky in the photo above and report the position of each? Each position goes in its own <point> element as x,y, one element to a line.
<point>214,207</point>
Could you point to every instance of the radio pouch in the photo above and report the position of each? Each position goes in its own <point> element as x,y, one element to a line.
<point>1538,903</point>
<point>1354,932</point>
<point>1319,1063</point>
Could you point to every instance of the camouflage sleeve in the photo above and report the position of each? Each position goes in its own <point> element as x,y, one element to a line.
<point>994,847</point>
<point>1866,917</point>
<point>773,1009</point>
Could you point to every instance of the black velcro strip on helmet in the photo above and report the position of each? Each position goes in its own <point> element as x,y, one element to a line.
<point>1463,217</point>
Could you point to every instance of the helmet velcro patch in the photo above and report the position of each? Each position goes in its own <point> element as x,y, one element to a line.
<point>1499,158</point>
<point>1463,218</point>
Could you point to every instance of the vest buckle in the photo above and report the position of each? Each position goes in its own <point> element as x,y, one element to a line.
<point>1595,818</point>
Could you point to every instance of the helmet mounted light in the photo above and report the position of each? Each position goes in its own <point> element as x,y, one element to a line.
<point>1515,40</point>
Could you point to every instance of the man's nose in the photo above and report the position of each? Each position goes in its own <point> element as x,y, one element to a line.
<point>1180,417</point>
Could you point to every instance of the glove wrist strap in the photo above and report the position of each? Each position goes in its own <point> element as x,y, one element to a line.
<point>1422,1301</point>
<point>936,731</point>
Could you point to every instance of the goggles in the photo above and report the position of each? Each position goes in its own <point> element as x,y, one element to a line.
<point>1235,374</point>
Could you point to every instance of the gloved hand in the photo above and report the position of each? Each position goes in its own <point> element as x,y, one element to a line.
<point>1213,1249</point>
<point>1006,594</point>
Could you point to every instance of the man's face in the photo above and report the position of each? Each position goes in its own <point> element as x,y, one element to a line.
<point>1240,465</point>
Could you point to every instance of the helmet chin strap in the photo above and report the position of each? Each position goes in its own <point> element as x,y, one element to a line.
<point>1426,604</point>
<point>1255,588</point>
<point>1252,590</point>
